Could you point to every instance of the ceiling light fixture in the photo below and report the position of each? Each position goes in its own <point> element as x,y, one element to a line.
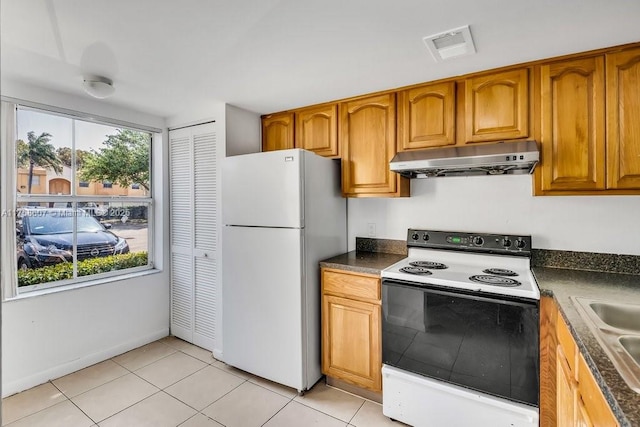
<point>98,87</point>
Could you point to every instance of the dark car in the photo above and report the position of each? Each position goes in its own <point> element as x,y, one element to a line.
<point>45,237</point>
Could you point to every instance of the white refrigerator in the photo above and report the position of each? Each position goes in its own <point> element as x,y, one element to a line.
<point>282,213</point>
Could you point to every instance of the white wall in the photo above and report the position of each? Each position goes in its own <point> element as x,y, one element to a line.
<point>47,336</point>
<point>243,131</point>
<point>504,204</point>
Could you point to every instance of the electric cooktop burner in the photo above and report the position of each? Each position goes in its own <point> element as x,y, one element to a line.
<point>429,264</point>
<point>416,270</point>
<point>500,272</point>
<point>495,280</point>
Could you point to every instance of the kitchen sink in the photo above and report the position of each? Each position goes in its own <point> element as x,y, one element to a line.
<point>616,326</point>
<point>632,345</point>
<point>620,316</point>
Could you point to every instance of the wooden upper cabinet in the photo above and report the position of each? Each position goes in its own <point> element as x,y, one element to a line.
<point>572,125</point>
<point>368,138</point>
<point>497,106</point>
<point>277,131</point>
<point>317,130</point>
<point>623,123</point>
<point>426,116</point>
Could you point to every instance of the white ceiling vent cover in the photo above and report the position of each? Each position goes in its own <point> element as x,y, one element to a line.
<point>450,44</point>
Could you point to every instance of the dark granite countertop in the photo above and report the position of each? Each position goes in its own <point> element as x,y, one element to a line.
<point>562,285</point>
<point>362,261</point>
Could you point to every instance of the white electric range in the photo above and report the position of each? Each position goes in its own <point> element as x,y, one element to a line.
<point>460,331</point>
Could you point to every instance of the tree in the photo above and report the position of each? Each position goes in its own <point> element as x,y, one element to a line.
<point>64,154</point>
<point>38,151</point>
<point>124,160</point>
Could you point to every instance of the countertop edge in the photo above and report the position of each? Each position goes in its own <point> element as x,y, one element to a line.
<point>355,269</point>
<point>362,261</point>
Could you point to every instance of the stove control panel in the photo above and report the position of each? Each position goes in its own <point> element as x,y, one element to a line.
<point>476,242</point>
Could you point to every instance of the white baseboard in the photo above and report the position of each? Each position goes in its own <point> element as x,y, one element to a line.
<point>81,362</point>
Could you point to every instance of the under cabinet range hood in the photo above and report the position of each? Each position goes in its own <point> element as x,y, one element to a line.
<point>519,157</point>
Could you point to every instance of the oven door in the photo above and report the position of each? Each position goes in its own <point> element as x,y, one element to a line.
<point>487,343</point>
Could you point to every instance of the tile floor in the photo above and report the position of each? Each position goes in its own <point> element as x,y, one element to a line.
<point>173,383</point>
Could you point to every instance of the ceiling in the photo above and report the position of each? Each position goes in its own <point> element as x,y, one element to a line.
<point>165,56</point>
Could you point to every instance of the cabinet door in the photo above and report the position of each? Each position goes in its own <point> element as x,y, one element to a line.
<point>195,251</point>
<point>277,132</point>
<point>623,126</point>
<point>368,138</point>
<point>597,409</point>
<point>582,416</point>
<point>351,349</point>
<point>426,116</point>
<point>497,106</point>
<point>573,129</point>
<point>565,392</point>
<point>317,130</point>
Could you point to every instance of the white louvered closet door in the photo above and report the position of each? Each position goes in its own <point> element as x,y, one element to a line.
<point>195,284</point>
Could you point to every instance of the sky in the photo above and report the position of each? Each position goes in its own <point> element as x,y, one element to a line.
<point>88,135</point>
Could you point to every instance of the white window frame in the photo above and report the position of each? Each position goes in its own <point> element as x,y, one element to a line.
<point>9,200</point>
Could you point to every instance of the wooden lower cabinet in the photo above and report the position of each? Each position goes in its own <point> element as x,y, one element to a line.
<point>566,391</point>
<point>351,331</point>
<point>569,394</point>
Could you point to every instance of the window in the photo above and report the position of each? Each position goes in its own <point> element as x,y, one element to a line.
<point>135,186</point>
<point>67,232</point>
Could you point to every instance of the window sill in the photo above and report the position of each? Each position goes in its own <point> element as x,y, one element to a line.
<point>89,283</point>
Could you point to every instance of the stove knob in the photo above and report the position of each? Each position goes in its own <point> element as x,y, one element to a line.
<point>506,243</point>
<point>415,236</point>
<point>478,241</point>
<point>520,244</point>
<point>425,237</point>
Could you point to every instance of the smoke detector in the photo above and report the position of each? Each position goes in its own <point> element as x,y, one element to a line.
<point>450,44</point>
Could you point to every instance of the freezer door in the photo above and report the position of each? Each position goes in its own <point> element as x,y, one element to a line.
<point>263,189</point>
<point>263,313</point>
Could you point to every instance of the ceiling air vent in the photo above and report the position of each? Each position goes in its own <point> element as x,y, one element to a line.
<point>450,44</point>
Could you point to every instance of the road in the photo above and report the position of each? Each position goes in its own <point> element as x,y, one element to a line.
<point>135,235</point>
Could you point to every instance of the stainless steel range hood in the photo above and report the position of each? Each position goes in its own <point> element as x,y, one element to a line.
<point>519,157</point>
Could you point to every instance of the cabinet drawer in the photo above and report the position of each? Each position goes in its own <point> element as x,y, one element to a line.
<point>351,285</point>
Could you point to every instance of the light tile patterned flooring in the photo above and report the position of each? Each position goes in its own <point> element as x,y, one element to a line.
<point>172,383</point>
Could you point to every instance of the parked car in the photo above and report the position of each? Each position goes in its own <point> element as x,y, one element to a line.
<point>45,237</point>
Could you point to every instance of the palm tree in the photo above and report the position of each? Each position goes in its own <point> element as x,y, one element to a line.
<point>39,152</point>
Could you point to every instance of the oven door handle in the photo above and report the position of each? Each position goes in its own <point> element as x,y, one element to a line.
<point>462,293</point>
